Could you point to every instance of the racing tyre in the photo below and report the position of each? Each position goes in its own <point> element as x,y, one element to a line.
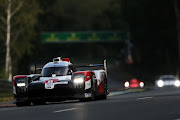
<point>83,100</point>
<point>39,102</point>
<point>90,98</point>
<point>23,104</point>
<point>104,96</point>
<point>87,99</point>
<point>93,89</point>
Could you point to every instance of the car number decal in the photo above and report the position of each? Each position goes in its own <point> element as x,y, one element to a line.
<point>49,84</point>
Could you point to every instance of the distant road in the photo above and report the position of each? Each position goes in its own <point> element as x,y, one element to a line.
<point>154,104</point>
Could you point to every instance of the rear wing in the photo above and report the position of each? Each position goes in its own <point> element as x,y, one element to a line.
<point>94,66</point>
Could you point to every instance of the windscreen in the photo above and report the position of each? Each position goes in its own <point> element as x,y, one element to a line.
<point>59,71</point>
<point>169,78</point>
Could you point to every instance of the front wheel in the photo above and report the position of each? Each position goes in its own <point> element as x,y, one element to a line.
<point>23,104</point>
<point>39,103</point>
<point>83,99</point>
<point>91,98</point>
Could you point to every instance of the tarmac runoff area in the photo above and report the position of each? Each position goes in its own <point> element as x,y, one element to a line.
<point>126,91</point>
<point>10,103</point>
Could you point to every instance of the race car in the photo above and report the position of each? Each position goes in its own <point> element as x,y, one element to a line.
<point>167,80</point>
<point>134,83</point>
<point>60,80</point>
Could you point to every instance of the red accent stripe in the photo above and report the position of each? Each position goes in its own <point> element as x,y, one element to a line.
<point>101,87</point>
<point>19,76</point>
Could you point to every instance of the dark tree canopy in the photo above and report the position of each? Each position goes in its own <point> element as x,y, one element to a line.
<point>152,24</point>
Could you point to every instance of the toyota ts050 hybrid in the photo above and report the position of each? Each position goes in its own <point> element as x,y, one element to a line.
<point>60,80</point>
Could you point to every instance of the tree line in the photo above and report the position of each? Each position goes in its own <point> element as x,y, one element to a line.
<point>152,25</point>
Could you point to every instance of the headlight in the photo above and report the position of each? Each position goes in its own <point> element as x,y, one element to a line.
<point>141,84</point>
<point>126,84</point>
<point>78,80</point>
<point>21,84</point>
<point>160,83</point>
<point>177,83</point>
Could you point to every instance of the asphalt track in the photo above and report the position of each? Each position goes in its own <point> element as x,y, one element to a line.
<point>132,104</point>
<point>153,104</point>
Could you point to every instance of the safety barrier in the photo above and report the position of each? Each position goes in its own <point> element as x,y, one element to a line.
<point>5,86</point>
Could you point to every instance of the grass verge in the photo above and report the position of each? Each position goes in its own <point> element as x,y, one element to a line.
<point>5,97</point>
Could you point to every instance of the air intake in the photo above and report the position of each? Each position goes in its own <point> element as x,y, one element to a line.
<point>57,60</point>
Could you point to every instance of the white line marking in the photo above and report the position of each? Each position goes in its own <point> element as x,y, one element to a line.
<point>143,98</point>
<point>65,110</point>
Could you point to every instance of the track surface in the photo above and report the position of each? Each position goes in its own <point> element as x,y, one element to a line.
<point>152,104</point>
<point>155,104</point>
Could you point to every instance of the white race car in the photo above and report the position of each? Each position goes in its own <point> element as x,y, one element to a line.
<point>59,80</point>
<point>167,80</point>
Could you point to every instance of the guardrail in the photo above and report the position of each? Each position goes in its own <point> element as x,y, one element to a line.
<point>5,86</point>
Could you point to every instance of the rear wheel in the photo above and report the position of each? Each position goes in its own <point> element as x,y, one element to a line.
<point>104,96</point>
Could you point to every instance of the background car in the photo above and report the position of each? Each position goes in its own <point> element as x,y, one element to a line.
<point>167,80</point>
<point>134,83</point>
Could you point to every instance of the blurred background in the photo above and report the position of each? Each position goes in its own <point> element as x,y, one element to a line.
<point>137,37</point>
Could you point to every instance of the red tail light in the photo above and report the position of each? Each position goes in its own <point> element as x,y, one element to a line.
<point>15,77</point>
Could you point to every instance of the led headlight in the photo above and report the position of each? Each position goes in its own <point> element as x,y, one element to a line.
<point>21,84</point>
<point>78,80</point>
<point>141,84</point>
<point>126,84</point>
<point>160,83</point>
<point>177,83</point>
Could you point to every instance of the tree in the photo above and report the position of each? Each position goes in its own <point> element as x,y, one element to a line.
<point>153,31</point>
<point>14,19</point>
<point>10,14</point>
<point>7,20</point>
<point>79,15</point>
<point>177,13</point>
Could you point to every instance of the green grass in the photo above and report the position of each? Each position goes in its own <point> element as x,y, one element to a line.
<point>5,97</point>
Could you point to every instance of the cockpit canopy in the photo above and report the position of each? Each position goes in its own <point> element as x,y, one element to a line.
<point>58,71</point>
<point>59,67</point>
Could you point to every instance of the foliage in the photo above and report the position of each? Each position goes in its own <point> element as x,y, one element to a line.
<point>80,15</point>
<point>22,28</point>
<point>152,25</point>
<point>153,30</point>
